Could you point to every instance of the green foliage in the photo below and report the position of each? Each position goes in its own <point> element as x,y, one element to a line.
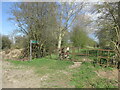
<point>6,42</point>
<point>91,43</point>
<point>79,37</point>
<point>20,42</point>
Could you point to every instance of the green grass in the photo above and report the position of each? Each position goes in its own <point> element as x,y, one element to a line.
<point>86,77</point>
<point>93,52</point>
<point>82,77</point>
<point>52,56</point>
<point>44,65</point>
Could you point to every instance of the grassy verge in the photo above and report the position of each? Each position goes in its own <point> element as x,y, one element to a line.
<point>86,77</point>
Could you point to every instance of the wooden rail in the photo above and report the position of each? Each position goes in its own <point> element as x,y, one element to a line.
<point>102,55</point>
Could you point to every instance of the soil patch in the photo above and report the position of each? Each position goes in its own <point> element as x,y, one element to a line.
<point>20,77</point>
<point>75,65</point>
<point>108,74</point>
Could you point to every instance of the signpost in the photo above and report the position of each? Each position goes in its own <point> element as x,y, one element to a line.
<point>32,41</point>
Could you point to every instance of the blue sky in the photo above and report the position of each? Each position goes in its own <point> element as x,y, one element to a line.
<point>0,17</point>
<point>7,26</point>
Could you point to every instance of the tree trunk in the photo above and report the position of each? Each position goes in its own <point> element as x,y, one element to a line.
<point>59,41</point>
<point>59,45</point>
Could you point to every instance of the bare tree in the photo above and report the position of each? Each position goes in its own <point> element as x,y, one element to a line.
<point>66,15</point>
<point>109,23</point>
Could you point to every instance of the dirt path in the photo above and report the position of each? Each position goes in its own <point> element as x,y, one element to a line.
<point>20,77</point>
<point>25,77</point>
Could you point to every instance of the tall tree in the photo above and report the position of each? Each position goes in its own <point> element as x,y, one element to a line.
<point>35,20</point>
<point>109,28</point>
<point>79,37</point>
<point>67,13</point>
<point>80,31</point>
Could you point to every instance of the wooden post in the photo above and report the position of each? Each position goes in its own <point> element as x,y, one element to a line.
<point>73,52</point>
<point>97,56</point>
<point>30,50</point>
<point>86,54</point>
<point>108,59</point>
